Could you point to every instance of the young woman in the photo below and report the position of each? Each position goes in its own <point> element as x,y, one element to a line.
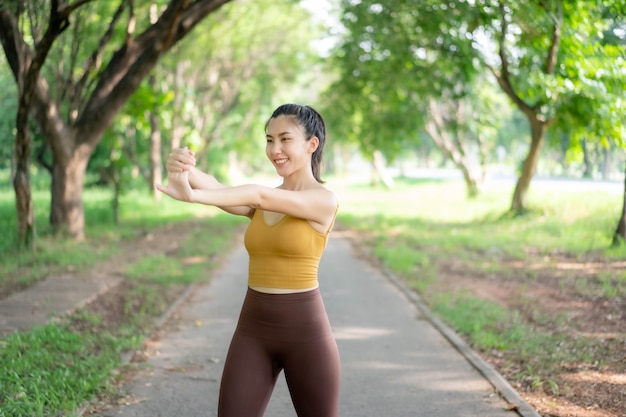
<point>283,324</point>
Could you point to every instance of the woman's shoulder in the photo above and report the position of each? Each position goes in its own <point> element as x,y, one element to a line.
<point>326,194</point>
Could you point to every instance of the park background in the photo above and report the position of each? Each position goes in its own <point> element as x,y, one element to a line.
<point>477,149</point>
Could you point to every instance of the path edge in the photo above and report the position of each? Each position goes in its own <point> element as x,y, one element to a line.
<point>501,385</point>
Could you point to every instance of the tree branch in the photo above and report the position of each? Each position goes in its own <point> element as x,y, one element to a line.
<point>70,8</point>
<point>57,23</point>
<point>12,43</point>
<point>555,39</point>
<point>95,58</point>
<point>504,76</point>
<point>133,61</point>
<point>132,20</point>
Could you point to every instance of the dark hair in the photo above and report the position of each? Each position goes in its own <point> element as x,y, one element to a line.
<point>313,125</point>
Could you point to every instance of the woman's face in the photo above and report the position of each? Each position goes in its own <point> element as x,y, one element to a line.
<point>287,147</point>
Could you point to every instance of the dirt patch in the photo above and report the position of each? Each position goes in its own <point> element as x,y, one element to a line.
<point>572,300</point>
<point>123,302</point>
<point>116,305</point>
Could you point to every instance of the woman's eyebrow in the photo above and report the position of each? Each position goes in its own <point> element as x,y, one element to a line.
<point>267,135</point>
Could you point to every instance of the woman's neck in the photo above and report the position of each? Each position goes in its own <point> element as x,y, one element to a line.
<point>300,182</point>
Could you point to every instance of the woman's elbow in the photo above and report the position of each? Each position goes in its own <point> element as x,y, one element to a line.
<point>258,199</point>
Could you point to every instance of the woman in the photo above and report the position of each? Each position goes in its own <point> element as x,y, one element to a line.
<point>283,324</point>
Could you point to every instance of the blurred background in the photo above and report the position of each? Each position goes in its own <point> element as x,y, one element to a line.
<point>477,148</point>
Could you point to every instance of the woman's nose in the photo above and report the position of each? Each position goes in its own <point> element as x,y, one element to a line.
<point>274,148</point>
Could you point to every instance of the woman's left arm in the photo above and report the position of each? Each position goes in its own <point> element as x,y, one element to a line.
<point>317,205</point>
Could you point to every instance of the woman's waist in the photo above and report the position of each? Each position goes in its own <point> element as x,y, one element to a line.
<point>271,314</point>
<point>283,266</point>
<point>285,307</point>
<point>290,279</point>
<point>273,290</point>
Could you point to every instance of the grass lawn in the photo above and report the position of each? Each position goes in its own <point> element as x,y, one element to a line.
<point>541,296</point>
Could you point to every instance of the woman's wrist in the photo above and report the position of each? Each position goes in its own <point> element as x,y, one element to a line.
<point>195,179</point>
<point>201,180</point>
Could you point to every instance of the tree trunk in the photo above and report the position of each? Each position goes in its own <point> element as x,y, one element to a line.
<point>606,162</point>
<point>117,191</point>
<point>451,149</point>
<point>178,127</point>
<point>21,184</point>
<point>379,173</point>
<point>155,154</point>
<point>587,168</point>
<point>471,184</point>
<point>67,215</point>
<point>620,232</point>
<point>538,129</point>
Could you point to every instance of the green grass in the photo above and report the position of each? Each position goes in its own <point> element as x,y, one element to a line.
<point>55,369</point>
<point>437,217</point>
<point>139,213</point>
<point>197,254</point>
<point>421,224</point>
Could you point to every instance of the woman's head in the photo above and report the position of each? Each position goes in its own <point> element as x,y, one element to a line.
<point>312,125</point>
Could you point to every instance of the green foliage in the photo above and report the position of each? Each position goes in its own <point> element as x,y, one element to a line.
<point>594,81</point>
<point>397,55</point>
<point>122,158</point>
<point>237,68</point>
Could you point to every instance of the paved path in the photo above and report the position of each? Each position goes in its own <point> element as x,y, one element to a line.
<point>395,363</point>
<point>52,297</point>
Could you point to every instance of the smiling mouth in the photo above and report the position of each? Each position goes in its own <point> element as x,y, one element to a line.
<point>280,161</point>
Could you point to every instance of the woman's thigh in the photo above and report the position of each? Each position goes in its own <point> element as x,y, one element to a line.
<point>313,375</point>
<point>248,379</point>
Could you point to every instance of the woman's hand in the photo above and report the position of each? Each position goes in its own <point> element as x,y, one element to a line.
<point>179,160</point>
<point>178,186</point>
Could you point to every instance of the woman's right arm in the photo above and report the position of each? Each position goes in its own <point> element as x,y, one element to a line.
<point>183,159</point>
<point>202,181</point>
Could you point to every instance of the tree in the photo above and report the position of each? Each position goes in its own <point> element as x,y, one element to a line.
<point>536,51</point>
<point>30,67</point>
<point>398,86</point>
<point>95,87</point>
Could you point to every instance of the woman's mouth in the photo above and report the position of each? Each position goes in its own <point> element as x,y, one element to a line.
<point>280,162</point>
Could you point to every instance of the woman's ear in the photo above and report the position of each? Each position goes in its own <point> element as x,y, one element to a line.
<point>314,142</point>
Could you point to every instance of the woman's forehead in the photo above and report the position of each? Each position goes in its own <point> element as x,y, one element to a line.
<point>283,124</point>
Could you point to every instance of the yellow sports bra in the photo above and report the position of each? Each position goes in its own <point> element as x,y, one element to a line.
<point>285,254</point>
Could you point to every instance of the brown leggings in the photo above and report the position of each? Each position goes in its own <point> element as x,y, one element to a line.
<point>276,332</point>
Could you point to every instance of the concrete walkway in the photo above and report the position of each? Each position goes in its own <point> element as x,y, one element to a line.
<point>396,360</point>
